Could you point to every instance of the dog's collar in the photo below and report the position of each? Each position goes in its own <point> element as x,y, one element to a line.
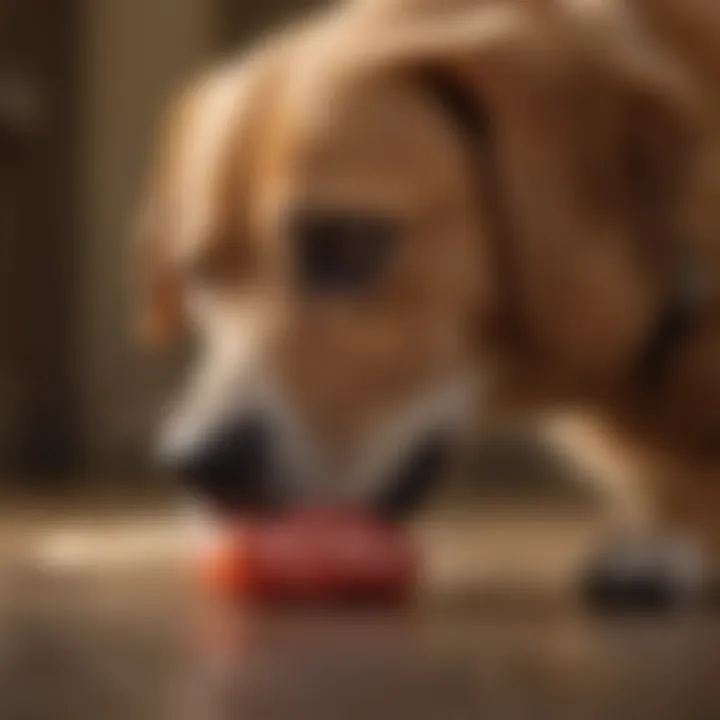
<point>682,310</point>
<point>689,292</point>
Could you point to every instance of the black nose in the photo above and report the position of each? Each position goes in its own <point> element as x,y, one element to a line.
<point>231,468</point>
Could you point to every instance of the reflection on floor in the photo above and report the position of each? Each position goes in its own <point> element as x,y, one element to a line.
<point>98,620</point>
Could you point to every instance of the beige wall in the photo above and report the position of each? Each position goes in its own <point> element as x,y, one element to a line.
<point>135,53</point>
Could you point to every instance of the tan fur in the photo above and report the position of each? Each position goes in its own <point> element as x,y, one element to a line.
<point>577,91</point>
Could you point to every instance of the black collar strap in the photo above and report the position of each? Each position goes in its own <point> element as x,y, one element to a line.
<point>684,306</point>
<point>685,302</point>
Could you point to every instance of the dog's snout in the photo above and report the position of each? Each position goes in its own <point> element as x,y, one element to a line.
<point>231,467</point>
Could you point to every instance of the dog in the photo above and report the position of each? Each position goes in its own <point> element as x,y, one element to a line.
<point>399,218</point>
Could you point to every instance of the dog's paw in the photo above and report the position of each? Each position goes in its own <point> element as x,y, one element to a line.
<point>647,575</point>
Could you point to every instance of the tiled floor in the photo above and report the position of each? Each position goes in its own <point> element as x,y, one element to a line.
<point>98,621</point>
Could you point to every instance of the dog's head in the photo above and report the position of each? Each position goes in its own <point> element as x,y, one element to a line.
<point>376,221</point>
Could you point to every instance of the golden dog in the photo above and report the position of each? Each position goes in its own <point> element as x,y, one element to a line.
<point>404,214</point>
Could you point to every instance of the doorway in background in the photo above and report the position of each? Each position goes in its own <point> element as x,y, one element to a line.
<point>39,407</point>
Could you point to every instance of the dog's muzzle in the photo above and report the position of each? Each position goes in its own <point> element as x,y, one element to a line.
<point>236,470</point>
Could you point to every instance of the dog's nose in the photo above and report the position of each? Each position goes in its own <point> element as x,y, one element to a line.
<point>230,468</point>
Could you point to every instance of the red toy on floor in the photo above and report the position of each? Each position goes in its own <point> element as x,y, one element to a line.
<point>312,557</point>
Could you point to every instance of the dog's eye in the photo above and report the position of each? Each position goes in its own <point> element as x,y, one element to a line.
<point>339,252</point>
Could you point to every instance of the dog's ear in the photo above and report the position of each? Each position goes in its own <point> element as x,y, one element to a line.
<point>192,223</point>
<point>591,128</point>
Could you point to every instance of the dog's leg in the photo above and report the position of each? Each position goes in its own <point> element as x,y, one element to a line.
<point>688,502</point>
<point>655,552</point>
<point>609,465</point>
<point>677,562</point>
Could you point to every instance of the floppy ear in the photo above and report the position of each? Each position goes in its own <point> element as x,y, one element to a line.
<point>191,227</point>
<point>591,126</point>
